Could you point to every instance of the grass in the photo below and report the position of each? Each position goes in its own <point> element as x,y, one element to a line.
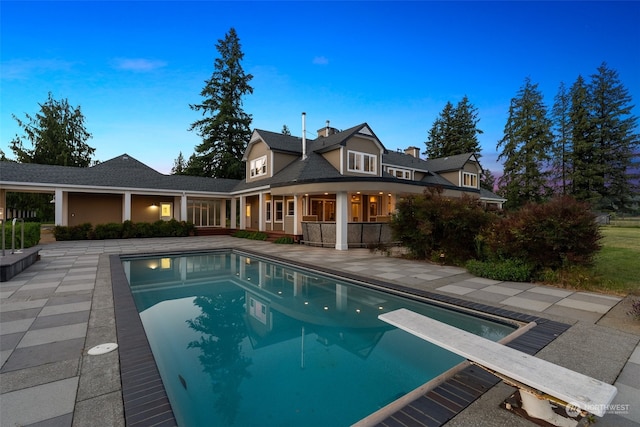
<point>617,265</point>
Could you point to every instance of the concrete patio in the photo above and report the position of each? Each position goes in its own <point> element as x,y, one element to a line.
<point>57,309</point>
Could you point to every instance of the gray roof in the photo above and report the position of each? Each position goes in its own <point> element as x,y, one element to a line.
<point>120,172</point>
<point>486,194</point>
<point>450,163</point>
<point>393,158</point>
<point>281,143</point>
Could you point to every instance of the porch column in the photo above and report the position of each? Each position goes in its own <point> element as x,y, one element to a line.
<point>243,213</point>
<point>59,207</point>
<point>3,204</point>
<point>296,215</point>
<point>183,207</point>
<point>342,219</point>
<point>126,209</point>
<point>261,212</point>
<point>233,224</point>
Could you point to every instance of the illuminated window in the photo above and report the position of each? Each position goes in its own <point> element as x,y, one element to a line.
<point>361,162</point>
<point>165,210</point>
<point>258,167</point>
<point>469,180</point>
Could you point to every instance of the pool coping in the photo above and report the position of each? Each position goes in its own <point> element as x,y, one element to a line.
<point>146,402</point>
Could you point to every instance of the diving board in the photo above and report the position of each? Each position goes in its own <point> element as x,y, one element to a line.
<point>516,367</point>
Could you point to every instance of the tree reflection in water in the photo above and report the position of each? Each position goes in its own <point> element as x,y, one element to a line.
<point>222,326</point>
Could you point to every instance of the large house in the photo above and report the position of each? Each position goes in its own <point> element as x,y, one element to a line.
<point>333,190</point>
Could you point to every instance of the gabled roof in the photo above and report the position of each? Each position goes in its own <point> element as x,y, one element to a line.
<point>276,142</point>
<point>392,158</point>
<point>120,172</point>
<point>331,142</point>
<point>445,164</point>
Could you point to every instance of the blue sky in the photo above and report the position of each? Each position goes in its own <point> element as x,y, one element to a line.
<point>134,67</point>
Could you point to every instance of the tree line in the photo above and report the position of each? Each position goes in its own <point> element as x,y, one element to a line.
<point>585,146</point>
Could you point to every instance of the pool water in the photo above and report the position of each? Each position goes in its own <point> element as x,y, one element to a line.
<point>242,341</point>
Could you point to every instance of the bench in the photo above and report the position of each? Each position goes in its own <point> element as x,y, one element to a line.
<point>539,381</point>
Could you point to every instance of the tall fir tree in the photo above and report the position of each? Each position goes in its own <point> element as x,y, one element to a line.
<point>614,135</point>
<point>586,168</point>
<point>455,131</point>
<point>225,128</point>
<point>466,129</point>
<point>441,133</point>
<point>525,146</point>
<point>560,162</point>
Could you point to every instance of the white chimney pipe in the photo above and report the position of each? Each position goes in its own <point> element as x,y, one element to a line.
<point>304,136</point>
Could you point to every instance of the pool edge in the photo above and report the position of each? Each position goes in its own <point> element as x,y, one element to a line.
<point>435,407</point>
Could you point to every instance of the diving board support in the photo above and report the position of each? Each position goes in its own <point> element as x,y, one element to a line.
<point>539,381</point>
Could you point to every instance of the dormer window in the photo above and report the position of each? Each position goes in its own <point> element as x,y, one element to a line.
<point>400,173</point>
<point>469,180</point>
<point>258,167</point>
<point>361,162</point>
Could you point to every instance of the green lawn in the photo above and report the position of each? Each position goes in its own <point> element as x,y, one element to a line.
<point>618,263</point>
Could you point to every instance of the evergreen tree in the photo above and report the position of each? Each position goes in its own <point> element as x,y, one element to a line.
<point>441,133</point>
<point>179,165</point>
<point>466,129</point>
<point>285,130</point>
<point>225,128</point>
<point>586,167</point>
<point>615,138</point>
<point>525,146</point>
<point>57,134</point>
<point>454,131</point>
<point>487,180</point>
<point>561,139</point>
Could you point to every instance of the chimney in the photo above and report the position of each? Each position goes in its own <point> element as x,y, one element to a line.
<point>412,151</point>
<point>326,131</point>
<point>304,136</point>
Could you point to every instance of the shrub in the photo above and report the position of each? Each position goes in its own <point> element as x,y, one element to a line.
<point>127,229</point>
<point>76,232</point>
<point>505,270</point>
<point>556,234</point>
<point>431,224</point>
<point>285,240</point>
<point>31,234</point>
<point>111,230</point>
<point>253,235</point>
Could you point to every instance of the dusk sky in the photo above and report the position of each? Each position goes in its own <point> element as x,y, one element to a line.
<point>134,67</point>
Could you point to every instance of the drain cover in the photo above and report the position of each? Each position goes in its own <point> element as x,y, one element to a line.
<point>102,348</point>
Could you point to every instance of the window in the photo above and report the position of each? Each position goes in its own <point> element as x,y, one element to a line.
<point>400,173</point>
<point>205,213</point>
<point>268,211</point>
<point>469,180</point>
<point>279,210</point>
<point>258,167</point>
<point>290,208</point>
<point>361,162</point>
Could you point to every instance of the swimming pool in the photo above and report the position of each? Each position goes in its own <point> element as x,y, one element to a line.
<point>240,340</point>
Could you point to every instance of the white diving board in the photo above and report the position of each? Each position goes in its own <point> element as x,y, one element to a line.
<point>563,384</point>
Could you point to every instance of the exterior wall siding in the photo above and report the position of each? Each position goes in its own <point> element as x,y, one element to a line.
<point>94,208</point>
